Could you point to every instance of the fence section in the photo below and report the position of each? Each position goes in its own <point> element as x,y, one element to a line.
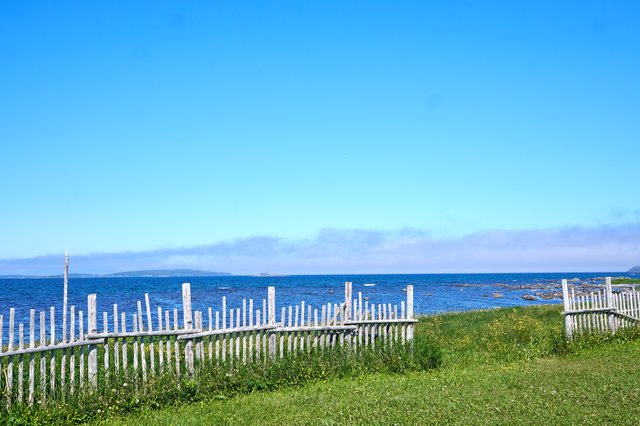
<point>138,345</point>
<point>599,311</point>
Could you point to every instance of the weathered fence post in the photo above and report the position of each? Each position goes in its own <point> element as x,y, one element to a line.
<point>271,295</point>
<point>347,300</point>
<point>9,370</point>
<point>52,340</point>
<point>410,313</point>
<point>611,305</point>
<point>188,324</point>
<point>92,308</point>
<point>150,329</point>
<point>567,308</point>
<point>63,362</point>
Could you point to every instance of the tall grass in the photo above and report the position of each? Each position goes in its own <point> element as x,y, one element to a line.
<point>495,335</point>
<point>120,394</point>
<point>455,342</point>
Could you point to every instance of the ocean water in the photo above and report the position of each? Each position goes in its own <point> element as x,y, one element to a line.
<point>432,292</point>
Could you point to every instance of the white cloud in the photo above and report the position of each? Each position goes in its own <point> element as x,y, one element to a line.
<point>609,248</point>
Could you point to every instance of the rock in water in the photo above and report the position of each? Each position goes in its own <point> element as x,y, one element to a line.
<point>529,297</point>
<point>497,295</point>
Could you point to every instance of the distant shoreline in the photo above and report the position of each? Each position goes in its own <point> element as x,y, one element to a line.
<point>154,273</point>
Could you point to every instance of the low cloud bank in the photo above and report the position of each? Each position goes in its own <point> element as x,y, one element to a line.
<point>335,251</point>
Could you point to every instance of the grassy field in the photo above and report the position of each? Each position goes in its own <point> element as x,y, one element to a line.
<point>593,387</point>
<point>625,281</point>
<point>503,366</point>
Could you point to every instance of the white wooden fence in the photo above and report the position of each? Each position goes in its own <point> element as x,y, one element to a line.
<point>602,310</point>
<point>155,342</point>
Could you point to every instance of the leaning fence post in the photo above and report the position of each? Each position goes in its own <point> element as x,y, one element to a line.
<point>567,308</point>
<point>347,300</point>
<point>64,303</point>
<point>410,313</point>
<point>188,324</point>
<point>92,309</point>
<point>9,370</point>
<point>271,295</point>
<point>610,304</point>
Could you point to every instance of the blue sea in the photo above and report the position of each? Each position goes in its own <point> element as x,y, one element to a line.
<point>433,292</point>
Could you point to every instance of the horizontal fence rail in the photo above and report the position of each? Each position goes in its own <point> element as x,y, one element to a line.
<point>139,345</point>
<point>600,311</point>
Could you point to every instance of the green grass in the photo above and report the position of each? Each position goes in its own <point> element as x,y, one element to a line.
<point>496,335</point>
<point>625,281</point>
<point>124,393</point>
<point>501,366</point>
<point>596,386</point>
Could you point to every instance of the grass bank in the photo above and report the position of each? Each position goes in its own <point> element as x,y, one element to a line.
<point>121,394</point>
<point>625,281</point>
<point>596,386</point>
<point>502,366</point>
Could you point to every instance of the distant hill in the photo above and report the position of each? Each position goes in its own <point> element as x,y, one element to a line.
<point>634,270</point>
<point>49,276</point>
<point>145,273</point>
<point>169,273</point>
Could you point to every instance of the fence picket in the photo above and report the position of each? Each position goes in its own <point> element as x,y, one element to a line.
<point>9,371</point>
<point>105,327</point>
<point>152,361</point>
<point>257,338</point>
<point>188,324</point>
<point>237,335</point>
<point>176,344</point>
<point>52,340</point>
<point>217,338</point>
<point>116,341</point>
<point>136,344</point>
<point>288,335</point>
<point>81,338</point>
<point>167,326</point>
<point>123,329</point>
<point>282,335</point>
<point>272,320</point>
<point>309,335</point>
<point>142,356</point>
<point>43,358</point>
<point>72,351</point>
<point>32,344</point>
<point>244,336</point>
<point>224,327</point>
<point>233,325</point>
<point>63,359</point>
<point>160,342</point>
<point>20,363</point>
<point>251,334</point>
<point>264,323</point>
<point>92,330</point>
<point>210,314</point>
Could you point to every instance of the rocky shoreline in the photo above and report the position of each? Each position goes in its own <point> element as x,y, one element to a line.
<point>546,290</point>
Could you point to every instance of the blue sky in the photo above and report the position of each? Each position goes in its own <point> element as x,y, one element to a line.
<point>164,127</point>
